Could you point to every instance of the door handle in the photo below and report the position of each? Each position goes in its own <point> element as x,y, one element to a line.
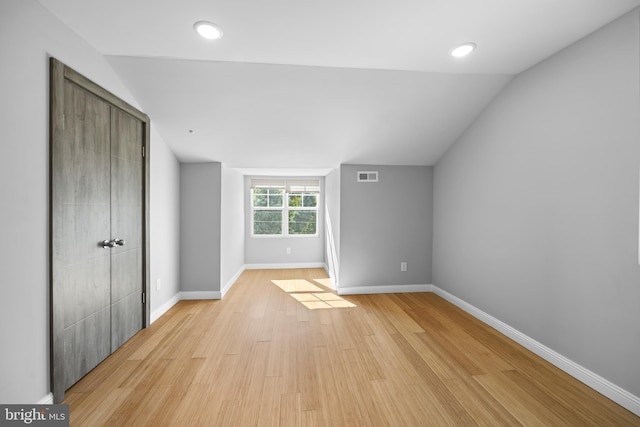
<point>106,244</point>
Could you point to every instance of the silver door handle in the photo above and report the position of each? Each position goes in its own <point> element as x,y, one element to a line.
<point>106,244</point>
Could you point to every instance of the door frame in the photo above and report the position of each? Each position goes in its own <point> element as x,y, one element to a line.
<point>59,73</point>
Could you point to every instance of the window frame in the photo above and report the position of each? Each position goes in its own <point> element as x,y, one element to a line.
<point>267,208</point>
<point>303,208</point>
<point>285,209</point>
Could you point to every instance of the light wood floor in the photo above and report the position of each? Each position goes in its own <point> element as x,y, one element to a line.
<point>281,349</point>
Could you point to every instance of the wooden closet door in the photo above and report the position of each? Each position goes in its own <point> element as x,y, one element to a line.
<point>126,226</point>
<point>99,222</point>
<point>81,213</point>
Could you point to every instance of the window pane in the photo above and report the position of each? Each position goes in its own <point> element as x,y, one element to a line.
<point>267,222</point>
<point>295,200</point>
<point>275,201</point>
<point>260,200</point>
<point>310,200</point>
<point>268,197</point>
<point>302,222</point>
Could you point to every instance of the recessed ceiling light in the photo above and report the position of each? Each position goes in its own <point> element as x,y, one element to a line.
<point>208,30</point>
<point>463,50</point>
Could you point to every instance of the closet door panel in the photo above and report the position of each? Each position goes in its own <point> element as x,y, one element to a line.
<point>81,218</point>
<point>126,319</point>
<point>85,346</point>
<point>126,224</point>
<point>86,289</point>
<point>125,277</point>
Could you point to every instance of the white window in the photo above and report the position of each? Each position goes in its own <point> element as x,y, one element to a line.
<point>284,207</point>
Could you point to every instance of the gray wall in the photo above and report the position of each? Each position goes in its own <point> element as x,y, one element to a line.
<point>232,225</point>
<point>272,250</point>
<point>200,227</point>
<point>536,206</point>
<point>385,223</point>
<point>24,174</point>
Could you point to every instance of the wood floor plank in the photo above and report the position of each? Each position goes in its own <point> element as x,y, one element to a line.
<point>290,413</point>
<point>106,376</point>
<point>563,414</point>
<point>170,398</point>
<point>282,349</point>
<point>428,376</point>
<point>105,413</point>
<point>526,413</point>
<point>481,406</point>
<point>271,402</point>
<point>230,413</point>
<point>452,335</point>
<point>151,403</point>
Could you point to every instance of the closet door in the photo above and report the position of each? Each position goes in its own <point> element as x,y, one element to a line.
<point>81,213</point>
<point>99,244</point>
<point>126,227</point>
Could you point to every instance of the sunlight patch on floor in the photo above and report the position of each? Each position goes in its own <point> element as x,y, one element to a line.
<point>327,283</point>
<point>297,285</point>
<point>312,296</point>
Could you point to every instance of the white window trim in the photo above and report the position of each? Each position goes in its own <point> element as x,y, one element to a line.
<point>285,215</point>
<point>289,187</point>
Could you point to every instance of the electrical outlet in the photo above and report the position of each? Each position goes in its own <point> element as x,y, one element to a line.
<point>403,266</point>
<point>157,284</point>
<point>288,251</point>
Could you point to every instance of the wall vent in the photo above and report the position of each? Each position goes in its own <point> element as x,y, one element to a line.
<point>367,176</point>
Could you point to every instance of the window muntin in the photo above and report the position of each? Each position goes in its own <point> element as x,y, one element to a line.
<point>268,197</point>
<point>302,200</point>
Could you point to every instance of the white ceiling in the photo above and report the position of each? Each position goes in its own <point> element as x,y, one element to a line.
<point>312,84</point>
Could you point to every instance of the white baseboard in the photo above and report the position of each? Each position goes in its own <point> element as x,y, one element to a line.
<point>47,400</point>
<point>334,282</point>
<point>155,314</point>
<point>284,266</point>
<point>392,289</point>
<point>232,281</point>
<point>326,269</point>
<point>593,380</point>
<point>200,295</point>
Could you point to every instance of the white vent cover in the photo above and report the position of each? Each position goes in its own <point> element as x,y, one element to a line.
<point>367,176</point>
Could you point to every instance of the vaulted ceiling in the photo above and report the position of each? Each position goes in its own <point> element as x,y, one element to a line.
<point>312,84</point>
